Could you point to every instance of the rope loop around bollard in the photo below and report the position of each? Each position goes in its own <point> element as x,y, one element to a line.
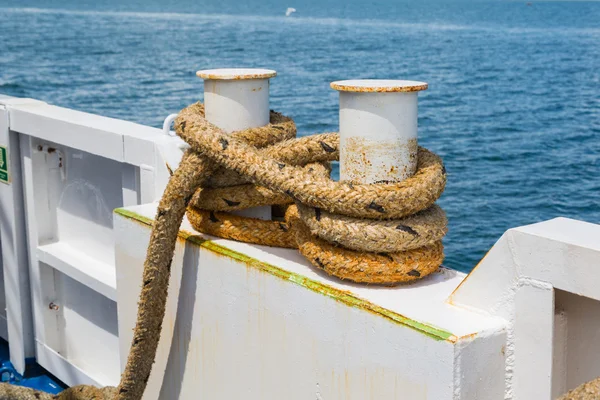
<point>382,233</point>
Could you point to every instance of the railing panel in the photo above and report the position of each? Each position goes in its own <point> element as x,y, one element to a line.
<point>77,168</point>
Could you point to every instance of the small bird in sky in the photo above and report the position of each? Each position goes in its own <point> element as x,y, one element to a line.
<point>289,11</point>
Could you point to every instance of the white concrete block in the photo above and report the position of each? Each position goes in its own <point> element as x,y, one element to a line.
<point>559,352</point>
<point>485,353</point>
<point>494,281</point>
<point>265,319</point>
<point>533,338</point>
<point>557,254</point>
<point>563,252</point>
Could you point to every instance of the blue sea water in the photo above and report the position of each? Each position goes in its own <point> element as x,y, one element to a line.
<point>513,105</point>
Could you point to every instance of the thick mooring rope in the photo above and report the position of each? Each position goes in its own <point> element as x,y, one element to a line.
<point>381,233</point>
<point>385,233</point>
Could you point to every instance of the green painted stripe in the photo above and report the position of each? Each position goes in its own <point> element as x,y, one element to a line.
<point>319,287</point>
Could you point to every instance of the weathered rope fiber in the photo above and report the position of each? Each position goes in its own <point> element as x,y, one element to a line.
<point>377,268</point>
<point>418,230</point>
<point>240,197</point>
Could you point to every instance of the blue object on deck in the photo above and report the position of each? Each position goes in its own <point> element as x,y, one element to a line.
<point>35,377</point>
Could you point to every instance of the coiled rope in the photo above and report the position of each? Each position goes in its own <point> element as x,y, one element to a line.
<point>383,233</point>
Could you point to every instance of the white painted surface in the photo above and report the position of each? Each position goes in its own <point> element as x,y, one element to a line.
<point>3,315</point>
<point>63,126</point>
<point>234,105</point>
<point>479,366</point>
<point>495,285</point>
<point>581,326</point>
<point>91,272</point>
<point>130,180</point>
<point>559,350</point>
<point>563,252</point>
<point>77,168</point>
<point>70,195</point>
<point>278,339</point>
<point>15,314</point>
<point>33,235</point>
<point>236,99</point>
<point>88,132</point>
<point>533,333</point>
<point>81,331</point>
<point>111,138</point>
<point>378,132</point>
<point>424,300</point>
<point>514,281</point>
<point>87,193</point>
<point>379,86</point>
<point>70,374</point>
<point>129,284</point>
<point>236,74</point>
<point>88,330</point>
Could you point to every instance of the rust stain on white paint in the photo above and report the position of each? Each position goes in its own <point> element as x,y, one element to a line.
<point>367,160</point>
<point>379,86</point>
<point>235,74</point>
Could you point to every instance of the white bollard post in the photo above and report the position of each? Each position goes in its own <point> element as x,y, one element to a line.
<point>378,129</point>
<point>237,99</point>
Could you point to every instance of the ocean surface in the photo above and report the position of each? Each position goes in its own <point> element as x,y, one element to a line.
<point>513,104</point>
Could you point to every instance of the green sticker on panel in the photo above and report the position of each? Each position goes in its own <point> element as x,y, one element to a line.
<point>4,177</point>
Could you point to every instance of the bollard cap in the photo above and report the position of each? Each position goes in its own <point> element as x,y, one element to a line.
<point>378,86</point>
<point>234,74</point>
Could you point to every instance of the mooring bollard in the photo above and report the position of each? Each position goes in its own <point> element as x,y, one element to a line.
<point>378,129</point>
<point>237,99</point>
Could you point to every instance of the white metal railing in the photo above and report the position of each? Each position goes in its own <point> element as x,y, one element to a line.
<point>69,170</point>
